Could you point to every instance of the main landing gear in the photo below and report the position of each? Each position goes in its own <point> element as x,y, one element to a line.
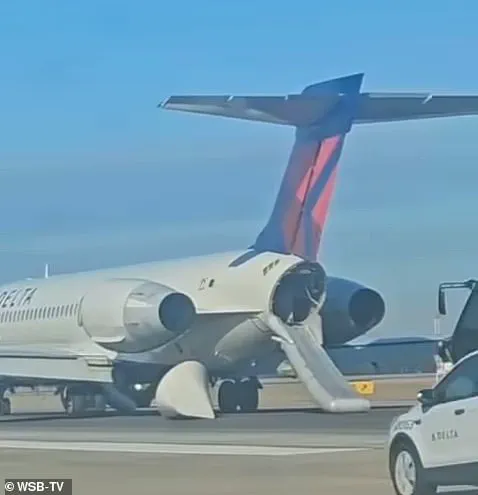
<point>86,400</point>
<point>239,395</point>
<point>80,401</point>
<point>5,404</point>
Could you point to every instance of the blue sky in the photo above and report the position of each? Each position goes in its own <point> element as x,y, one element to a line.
<point>93,174</point>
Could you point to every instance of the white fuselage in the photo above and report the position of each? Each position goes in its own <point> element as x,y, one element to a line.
<point>228,300</point>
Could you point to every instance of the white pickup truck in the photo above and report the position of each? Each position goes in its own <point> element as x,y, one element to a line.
<point>436,442</point>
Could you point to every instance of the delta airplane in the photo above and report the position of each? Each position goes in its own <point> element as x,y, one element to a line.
<point>170,330</point>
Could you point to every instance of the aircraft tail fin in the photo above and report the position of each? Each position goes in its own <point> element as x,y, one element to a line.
<point>300,211</point>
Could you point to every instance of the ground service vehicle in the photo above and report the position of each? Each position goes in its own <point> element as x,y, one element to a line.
<point>436,442</point>
<point>465,335</point>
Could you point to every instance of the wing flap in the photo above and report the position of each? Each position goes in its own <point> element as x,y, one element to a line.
<point>41,365</point>
<point>327,386</point>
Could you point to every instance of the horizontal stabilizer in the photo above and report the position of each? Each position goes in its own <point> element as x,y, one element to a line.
<point>327,386</point>
<point>302,110</point>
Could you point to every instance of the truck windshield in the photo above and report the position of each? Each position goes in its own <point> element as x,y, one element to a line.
<point>465,337</point>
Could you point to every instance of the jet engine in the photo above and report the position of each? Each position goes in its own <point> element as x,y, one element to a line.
<point>350,310</point>
<point>131,315</point>
<point>298,292</point>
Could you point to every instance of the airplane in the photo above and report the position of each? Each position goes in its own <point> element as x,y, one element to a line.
<point>169,330</point>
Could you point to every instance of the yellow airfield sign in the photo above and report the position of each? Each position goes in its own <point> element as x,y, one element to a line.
<point>364,387</point>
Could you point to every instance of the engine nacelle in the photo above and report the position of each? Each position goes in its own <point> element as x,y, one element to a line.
<point>299,291</point>
<point>296,293</point>
<point>349,310</point>
<point>131,315</point>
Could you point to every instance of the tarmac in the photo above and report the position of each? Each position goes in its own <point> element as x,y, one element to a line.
<point>284,448</point>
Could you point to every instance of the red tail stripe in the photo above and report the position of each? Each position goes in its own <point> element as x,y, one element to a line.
<point>326,150</point>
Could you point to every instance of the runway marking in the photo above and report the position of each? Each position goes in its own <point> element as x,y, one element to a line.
<point>171,448</point>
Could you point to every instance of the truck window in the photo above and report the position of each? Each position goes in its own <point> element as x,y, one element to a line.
<point>465,337</point>
<point>461,383</point>
<point>469,317</point>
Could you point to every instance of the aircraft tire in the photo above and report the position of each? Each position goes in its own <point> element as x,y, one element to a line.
<point>143,398</point>
<point>248,396</point>
<point>75,405</point>
<point>5,407</point>
<point>100,403</point>
<point>227,397</point>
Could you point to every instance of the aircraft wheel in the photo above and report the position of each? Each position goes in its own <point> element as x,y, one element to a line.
<point>144,397</point>
<point>75,405</point>
<point>100,403</point>
<point>5,407</point>
<point>248,396</point>
<point>227,397</point>
<point>64,397</point>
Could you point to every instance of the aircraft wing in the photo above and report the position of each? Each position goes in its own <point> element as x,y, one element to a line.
<point>327,386</point>
<point>49,364</point>
<point>302,109</point>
